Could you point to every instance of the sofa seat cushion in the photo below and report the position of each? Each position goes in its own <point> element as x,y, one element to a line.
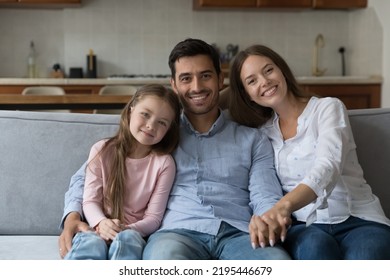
<point>29,247</point>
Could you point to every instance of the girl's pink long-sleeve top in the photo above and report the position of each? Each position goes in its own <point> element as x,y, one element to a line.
<point>149,182</point>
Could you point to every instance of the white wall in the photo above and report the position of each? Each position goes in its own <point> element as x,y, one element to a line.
<point>382,9</point>
<point>135,37</point>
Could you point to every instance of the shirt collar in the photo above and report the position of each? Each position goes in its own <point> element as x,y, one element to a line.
<point>217,126</point>
<point>273,121</point>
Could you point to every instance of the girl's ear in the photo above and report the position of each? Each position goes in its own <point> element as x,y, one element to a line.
<point>129,112</point>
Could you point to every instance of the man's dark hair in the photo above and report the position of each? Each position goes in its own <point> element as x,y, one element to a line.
<point>193,47</point>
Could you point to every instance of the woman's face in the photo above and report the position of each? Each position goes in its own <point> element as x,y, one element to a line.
<point>263,81</point>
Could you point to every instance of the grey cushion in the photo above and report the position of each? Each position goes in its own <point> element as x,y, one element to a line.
<point>39,154</point>
<point>371,129</point>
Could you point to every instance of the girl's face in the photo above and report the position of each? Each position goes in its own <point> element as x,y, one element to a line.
<point>150,120</point>
<point>263,81</point>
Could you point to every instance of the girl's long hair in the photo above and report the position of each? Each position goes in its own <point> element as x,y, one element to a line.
<point>118,148</point>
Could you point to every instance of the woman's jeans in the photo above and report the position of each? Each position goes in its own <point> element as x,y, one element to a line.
<point>127,245</point>
<point>353,239</point>
<point>229,244</point>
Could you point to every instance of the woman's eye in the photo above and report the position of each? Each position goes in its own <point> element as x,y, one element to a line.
<point>250,82</point>
<point>269,70</point>
<point>163,123</point>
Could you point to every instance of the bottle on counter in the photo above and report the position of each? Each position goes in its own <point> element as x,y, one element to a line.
<point>91,65</point>
<point>31,62</point>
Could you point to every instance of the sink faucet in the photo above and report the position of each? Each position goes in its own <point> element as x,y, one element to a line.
<point>319,43</point>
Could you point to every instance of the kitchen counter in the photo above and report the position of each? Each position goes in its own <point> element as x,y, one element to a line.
<point>307,80</point>
<point>340,80</point>
<point>78,82</point>
<point>67,101</point>
<point>357,92</point>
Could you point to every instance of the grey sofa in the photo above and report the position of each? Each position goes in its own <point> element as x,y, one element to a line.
<point>41,151</point>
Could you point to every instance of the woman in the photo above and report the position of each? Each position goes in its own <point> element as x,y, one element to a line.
<point>334,213</point>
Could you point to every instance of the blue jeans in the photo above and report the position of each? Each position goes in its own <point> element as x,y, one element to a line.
<point>127,245</point>
<point>229,244</point>
<point>353,239</point>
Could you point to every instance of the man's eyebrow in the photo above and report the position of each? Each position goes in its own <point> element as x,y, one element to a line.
<point>207,71</point>
<point>184,74</point>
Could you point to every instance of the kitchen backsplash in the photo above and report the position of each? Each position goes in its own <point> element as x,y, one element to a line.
<point>135,37</point>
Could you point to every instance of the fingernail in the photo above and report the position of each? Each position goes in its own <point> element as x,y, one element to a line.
<point>254,245</point>
<point>271,242</point>
<point>282,238</point>
<point>262,244</point>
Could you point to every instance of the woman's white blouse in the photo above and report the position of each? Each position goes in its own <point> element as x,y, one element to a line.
<point>322,155</point>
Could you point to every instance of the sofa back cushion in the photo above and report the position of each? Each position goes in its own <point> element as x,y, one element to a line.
<point>39,152</point>
<point>371,130</point>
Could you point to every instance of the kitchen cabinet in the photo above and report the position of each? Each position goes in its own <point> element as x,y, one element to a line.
<point>204,4</point>
<point>339,4</point>
<point>69,89</point>
<point>198,4</point>
<point>284,3</point>
<point>39,3</point>
<point>262,4</point>
<point>354,96</point>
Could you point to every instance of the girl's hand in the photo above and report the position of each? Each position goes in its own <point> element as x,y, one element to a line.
<point>109,228</point>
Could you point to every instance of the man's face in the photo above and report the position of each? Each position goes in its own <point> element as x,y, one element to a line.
<point>197,84</point>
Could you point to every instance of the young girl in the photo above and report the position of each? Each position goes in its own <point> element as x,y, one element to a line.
<point>129,177</point>
<point>335,214</point>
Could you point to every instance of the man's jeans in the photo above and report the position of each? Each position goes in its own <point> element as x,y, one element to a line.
<point>127,245</point>
<point>229,244</point>
<point>353,239</point>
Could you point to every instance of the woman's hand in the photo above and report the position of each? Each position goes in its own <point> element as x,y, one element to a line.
<point>278,220</point>
<point>269,228</point>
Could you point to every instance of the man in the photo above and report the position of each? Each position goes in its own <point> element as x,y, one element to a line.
<point>225,176</point>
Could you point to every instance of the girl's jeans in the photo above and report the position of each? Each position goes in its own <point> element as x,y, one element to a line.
<point>127,245</point>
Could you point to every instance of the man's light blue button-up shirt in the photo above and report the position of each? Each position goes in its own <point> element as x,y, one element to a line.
<point>226,174</point>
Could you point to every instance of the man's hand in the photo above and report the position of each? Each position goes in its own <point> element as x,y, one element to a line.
<point>72,225</point>
<point>259,232</point>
